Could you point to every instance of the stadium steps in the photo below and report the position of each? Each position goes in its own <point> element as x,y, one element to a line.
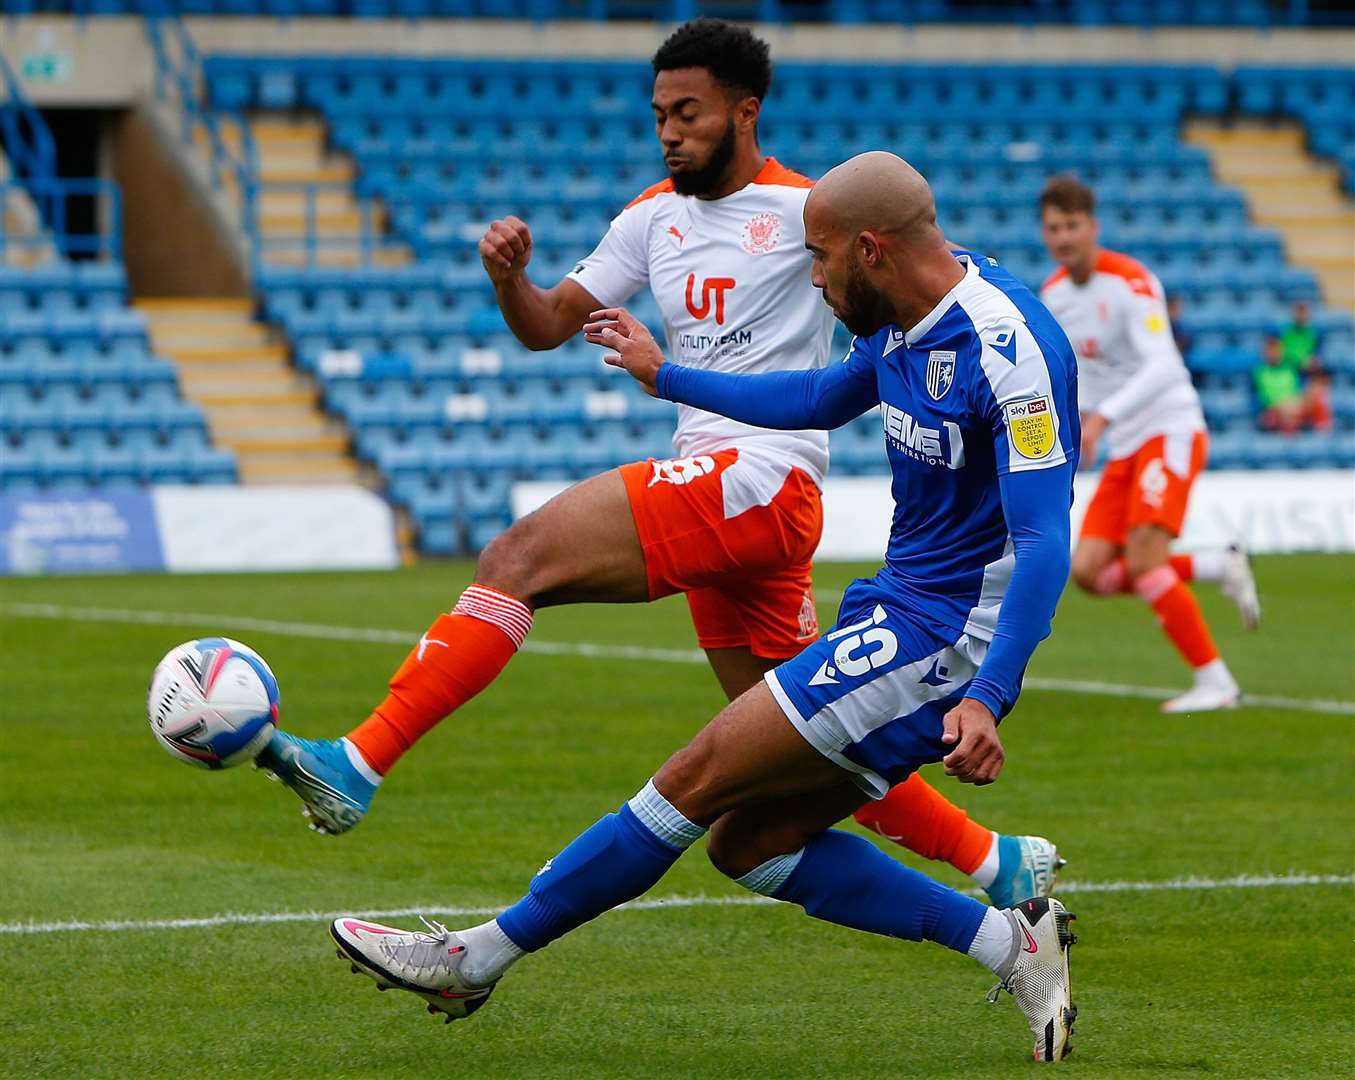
<point>1292,192</point>
<point>27,243</point>
<point>256,403</point>
<point>306,185</point>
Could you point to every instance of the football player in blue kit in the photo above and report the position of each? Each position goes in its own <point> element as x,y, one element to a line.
<point>977,387</point>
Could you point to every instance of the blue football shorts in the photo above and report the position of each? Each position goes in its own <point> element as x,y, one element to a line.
<point>871,693</point>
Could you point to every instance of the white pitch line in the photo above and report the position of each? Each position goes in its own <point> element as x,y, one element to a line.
<point>265,918</point>
<point>584,649</point>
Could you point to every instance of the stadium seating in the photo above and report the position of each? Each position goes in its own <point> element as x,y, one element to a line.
<point>83,402</point>
<point>452,409</point>
<point>1322,98</point>
<point>1082,12</point>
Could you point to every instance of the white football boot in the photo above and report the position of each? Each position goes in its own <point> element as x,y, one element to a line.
<point>1038,974</point>
<point>1239,586</point>
<point>427,963</point>
<point>1215,688</point>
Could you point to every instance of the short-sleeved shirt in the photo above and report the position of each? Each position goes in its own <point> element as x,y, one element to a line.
<point>732,279</point>
<point>1277,384</point>
<point>1129,368</point>
<point>985,385</point>
<point>1298,345</point>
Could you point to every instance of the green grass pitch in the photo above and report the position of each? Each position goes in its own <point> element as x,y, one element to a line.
<point>96,823</point>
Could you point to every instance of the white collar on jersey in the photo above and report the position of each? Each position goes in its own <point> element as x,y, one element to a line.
<point>934,316</point>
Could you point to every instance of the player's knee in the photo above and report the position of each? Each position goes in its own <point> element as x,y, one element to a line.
<point>740,842</point>
<point>1085,573</point>
<point>688,781</point>
<point>513,561</point>
<point>1144,554</point>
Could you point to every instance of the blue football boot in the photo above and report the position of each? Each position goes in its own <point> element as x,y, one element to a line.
<point>1027,866</point>
<point>336,786</point>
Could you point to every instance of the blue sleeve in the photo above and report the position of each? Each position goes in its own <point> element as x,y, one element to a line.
<point>788,400</point>
<point>1035,504</point>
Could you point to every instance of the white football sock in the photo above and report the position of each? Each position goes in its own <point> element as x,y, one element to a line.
<point>992,945</point>
<point>489,953</point>
<point>359,763</point>
<point>986,872</point>
<point>1209,565</point>
<point>1215,674</point>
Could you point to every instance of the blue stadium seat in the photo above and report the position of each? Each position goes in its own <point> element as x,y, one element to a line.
<point>434,386</point>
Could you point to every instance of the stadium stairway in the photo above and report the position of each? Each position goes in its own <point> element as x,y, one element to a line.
<point>27,243</point>
<point>1292,192</point>
<point>256,403</point>
<point>298,176</point>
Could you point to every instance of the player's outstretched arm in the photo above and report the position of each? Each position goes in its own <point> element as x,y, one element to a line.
<point>539,318</point>
<point>1035,504</point>
<point>788,400</point>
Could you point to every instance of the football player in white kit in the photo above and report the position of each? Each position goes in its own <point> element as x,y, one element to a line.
<point>732,521</point>
<point>1135,391</point>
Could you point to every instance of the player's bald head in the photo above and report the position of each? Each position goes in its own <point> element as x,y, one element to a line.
<point>877,192</point>
<point>878,254</point>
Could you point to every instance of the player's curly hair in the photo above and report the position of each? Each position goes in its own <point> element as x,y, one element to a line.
<point>736,57</point>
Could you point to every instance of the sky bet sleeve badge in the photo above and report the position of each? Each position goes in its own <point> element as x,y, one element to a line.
<point>1030,425</point>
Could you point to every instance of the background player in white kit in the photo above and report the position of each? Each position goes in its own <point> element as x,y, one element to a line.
<point>1134,390</point>
<point>733,522</point>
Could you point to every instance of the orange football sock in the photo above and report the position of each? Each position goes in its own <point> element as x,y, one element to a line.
<point>1179,613</point>
<point>1184,565</point>
<point>458,656</point>
<point>1114,578</point>
<point>923,820</point>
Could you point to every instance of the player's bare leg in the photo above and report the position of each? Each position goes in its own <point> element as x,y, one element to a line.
<point>915,816</point>
<point>1158,583</point>
<point>1101,568</point>
<point>1091,558</point>
<point>767,797</point>
<point>738,670</point>
<point>581,546</point>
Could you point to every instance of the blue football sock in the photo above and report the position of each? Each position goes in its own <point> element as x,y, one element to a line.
<point>616,859</point>
<point>845,879</point>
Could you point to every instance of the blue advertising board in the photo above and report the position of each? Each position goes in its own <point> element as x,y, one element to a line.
<point>53,533</point>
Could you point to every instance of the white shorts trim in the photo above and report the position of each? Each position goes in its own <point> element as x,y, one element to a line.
<point>827,742</point>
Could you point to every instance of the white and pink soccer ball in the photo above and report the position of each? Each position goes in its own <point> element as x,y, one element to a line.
<point>213,703</point>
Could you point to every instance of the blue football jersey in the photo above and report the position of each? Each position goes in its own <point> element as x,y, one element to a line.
<point>985,385</point>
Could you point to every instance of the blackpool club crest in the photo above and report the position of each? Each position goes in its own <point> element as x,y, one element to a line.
<point>761,233</point>
<point>940,372</point>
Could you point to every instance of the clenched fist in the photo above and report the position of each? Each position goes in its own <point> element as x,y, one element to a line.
<point>506,248</point>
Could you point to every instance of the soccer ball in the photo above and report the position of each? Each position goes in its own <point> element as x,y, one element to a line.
<point>212,702</point>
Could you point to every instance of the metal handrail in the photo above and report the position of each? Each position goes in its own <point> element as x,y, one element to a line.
<point>51,197</point>
<point>179,77</point>
<point>310,240</point>
<point>32,154</point>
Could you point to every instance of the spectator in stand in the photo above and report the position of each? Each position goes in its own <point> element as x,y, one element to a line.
<point>1300,348</point>
<point>1299,341</point>
<point>1284,403</point>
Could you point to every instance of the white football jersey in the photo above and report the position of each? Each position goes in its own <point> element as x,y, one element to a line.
<point>731,277</point>
<point>1129,369</point>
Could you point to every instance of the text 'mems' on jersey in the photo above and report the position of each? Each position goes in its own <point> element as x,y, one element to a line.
<point>1129,368</point>
<point>731,277</point>
<point>985,385</point>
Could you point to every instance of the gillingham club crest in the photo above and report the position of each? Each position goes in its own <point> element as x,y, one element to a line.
<point>940,372</point>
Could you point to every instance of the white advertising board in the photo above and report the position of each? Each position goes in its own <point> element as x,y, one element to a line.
<point>1269,512</point>
<point>339,527</point>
